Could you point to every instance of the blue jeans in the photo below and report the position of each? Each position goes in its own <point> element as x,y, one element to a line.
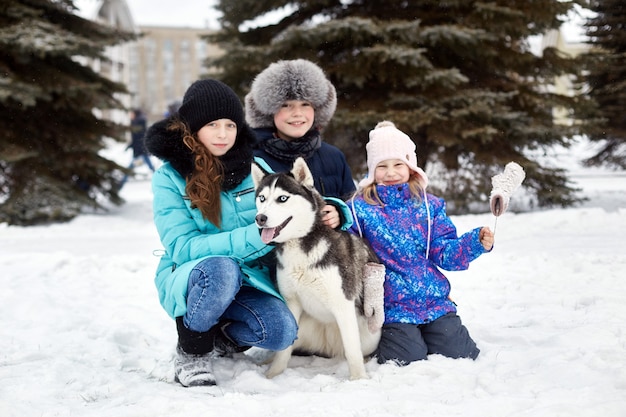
<point>215,293</point>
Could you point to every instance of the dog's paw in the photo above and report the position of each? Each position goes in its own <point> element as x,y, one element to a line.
<point>280,362</point>
<point>375,322</point>
<point>359,376</point>
<point>271,373</point>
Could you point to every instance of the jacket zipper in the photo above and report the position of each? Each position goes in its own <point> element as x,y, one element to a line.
<point>238,194</point>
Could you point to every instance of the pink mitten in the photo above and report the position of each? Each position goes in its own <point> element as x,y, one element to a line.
<point>373,295</point>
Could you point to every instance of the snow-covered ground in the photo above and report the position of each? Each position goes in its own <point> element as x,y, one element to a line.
<point>83,334</point>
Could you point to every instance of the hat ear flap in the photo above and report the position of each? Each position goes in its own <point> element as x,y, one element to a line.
<point>254,116</point>
<point>325,112</point>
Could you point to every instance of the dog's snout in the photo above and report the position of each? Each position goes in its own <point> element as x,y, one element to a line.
<point>261,219</point>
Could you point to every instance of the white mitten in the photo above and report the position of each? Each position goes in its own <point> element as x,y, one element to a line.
<point>504,184</point>
<point>373,295</point>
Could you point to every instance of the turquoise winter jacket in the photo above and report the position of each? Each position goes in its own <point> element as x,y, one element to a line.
<point>188,238</point>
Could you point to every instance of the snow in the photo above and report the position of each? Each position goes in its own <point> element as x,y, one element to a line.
<point>83,333</point>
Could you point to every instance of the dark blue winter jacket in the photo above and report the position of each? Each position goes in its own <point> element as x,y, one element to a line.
<point>327,163</point>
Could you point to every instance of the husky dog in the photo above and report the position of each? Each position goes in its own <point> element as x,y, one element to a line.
<point>319,270</point>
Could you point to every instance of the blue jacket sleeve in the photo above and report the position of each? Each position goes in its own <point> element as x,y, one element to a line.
<point>449,251</point>
<point>344,212</point>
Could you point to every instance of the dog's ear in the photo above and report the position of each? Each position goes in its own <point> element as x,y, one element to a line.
<point>302,173</point>
<point>258,174</point>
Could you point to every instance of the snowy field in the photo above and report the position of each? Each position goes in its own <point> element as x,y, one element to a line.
<point>83,333</point>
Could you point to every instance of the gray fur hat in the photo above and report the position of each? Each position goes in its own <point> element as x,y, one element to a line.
<point>296,79</point>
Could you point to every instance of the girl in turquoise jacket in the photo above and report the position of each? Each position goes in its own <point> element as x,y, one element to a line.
<point>213,278</point>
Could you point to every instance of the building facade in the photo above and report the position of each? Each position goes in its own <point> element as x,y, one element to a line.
<point>114,13</point>
<point>163,62</point>
<point>157,68</point>
<point>563,84</point>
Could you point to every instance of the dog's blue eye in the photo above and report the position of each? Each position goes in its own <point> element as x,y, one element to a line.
<point>261,198</point>
<point>282,198</point>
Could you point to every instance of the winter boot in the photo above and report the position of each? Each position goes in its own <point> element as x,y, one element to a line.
<point>193,366</point>
<point>224,346</point>
<point>193,370</point>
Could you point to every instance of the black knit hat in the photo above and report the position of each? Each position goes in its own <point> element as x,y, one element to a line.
<point>208,100</point>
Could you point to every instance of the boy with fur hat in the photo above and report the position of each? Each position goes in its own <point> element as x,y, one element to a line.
<point>413,237</point>
<point>288,104</point>
<point>212,278</point>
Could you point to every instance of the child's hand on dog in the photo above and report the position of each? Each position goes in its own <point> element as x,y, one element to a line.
<point>330,216</point>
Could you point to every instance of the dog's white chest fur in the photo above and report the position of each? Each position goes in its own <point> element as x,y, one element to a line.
<point>315,287</point>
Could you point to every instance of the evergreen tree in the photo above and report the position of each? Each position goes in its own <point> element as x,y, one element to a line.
<point>457,76</point>
<point>50,169</point>
<point>607,80</point>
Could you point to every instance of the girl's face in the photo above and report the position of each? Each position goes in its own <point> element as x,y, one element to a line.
<point>218,136</point>
<point>392,171</point>
<point>294,119</point>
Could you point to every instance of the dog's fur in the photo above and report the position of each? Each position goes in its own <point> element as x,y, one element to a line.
<point>319,270</point>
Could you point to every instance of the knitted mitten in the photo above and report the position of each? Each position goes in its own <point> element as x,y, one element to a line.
<point>373,280</point>
<point>504,184</point>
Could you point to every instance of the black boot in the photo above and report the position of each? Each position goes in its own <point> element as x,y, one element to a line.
<point>224,345</point>
<point>196,343</point>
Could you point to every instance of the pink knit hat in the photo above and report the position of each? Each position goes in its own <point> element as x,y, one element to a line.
<point>387,142</point>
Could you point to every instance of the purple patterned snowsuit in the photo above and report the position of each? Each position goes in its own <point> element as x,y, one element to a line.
<point>416,291</point>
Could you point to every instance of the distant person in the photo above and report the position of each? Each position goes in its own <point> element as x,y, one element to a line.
<point>172,108</point>
<point>289,104</point>
<point>414,238</point>
<point>138,126</point>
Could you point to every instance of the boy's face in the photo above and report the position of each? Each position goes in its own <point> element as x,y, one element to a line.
<point>218,136</point>
<point>294,119</point>
<point>391,172</point>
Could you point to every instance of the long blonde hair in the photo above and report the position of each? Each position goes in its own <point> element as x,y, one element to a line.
<point>204,184</point>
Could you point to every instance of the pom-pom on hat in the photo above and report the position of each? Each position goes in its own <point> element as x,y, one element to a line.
<point>297,79</point>
<point>387,142</point>
<point>208,100</point>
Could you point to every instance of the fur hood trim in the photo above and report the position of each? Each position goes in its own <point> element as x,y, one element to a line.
<point>168,146</point>
<point>297,79</point>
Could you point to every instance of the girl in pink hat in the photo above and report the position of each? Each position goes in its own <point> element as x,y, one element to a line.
<point>414,238</point>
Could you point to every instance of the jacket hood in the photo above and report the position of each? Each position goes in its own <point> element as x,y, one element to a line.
<point>168,146</point>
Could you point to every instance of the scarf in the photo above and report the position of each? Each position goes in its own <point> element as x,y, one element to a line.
<point>288,151</point>
<point>236,163</point>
